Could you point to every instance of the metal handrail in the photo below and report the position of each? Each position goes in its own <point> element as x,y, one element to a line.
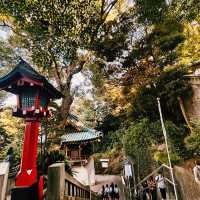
<point>73,188</point>
<point>152,173</point>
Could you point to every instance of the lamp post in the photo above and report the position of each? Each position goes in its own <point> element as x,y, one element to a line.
<point>33,94</point>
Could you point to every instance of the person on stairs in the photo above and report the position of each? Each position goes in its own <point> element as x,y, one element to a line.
<point>116,191</point>
<point>152,188</point>
<point>160,179</point>
<point>102,193</point>
<point>196,171</point>
<point>112,192</point>
<point>106,195</point>
<point>145,191</point>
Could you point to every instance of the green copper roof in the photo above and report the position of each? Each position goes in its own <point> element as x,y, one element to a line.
<point>81,136</point>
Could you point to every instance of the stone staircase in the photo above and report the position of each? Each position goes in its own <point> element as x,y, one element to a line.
<point>108,179</point>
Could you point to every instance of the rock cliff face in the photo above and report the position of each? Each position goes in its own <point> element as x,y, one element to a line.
<point>192,105</point>
<point>188,189</point>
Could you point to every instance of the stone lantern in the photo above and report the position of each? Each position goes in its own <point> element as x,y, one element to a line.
<point>33,94</point>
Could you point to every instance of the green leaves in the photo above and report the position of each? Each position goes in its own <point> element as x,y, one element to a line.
<point>169,86</point>
<point>193,140</point>
<point>60,27</point>
<point>142,138</point>
<point>150,11</point>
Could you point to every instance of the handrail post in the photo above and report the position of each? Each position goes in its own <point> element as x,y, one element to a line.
<point>56,177</point>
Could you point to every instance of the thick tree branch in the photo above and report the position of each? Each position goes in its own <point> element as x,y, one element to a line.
<point>103,16</point>
<point>58,78</point>
<point>108,9</point>
<point>102,7</point>
<point>71,70</point>
<point>79,67</point>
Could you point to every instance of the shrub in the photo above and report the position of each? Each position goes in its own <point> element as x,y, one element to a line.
<point>193,140</point>
<point>50,158</point>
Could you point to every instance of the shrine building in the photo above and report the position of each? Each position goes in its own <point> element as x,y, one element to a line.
<point>78,142</point>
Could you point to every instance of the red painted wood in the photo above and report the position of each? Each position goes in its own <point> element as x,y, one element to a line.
<point>29,80</point>
<point>40,188</point>
<point>28,170</point>
<point>37,100</point>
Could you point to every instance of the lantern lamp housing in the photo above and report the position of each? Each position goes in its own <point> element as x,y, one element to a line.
<point>33,91</point>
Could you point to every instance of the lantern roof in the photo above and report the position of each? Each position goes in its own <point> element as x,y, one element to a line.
<point>23,71</point>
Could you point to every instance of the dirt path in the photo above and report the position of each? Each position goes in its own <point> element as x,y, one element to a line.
<point>108,179</point>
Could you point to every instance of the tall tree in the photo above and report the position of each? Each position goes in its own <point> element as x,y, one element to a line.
<point>58,34</point>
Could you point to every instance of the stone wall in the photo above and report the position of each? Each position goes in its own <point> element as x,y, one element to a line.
<point>188,189</point>
<point>85,174</point>
<point>4,170</point>
<point>192,106</point>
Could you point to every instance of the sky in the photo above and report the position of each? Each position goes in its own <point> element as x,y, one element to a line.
<point>3,34</point>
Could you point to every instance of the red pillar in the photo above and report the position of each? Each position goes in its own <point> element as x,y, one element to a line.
<point>28,169</point>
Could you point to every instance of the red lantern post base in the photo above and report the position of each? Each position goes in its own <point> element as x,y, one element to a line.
<point>28,170</point>
<point>40,188</point>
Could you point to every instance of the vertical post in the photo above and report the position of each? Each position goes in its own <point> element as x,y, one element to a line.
<point>28,169</point>
<point>41,151</point>
<point>45,141</point>
<point>165,136</point>
<point>56,182</point>
<point>79,153</point>
<point>129,186</point>
<point>4,170</point>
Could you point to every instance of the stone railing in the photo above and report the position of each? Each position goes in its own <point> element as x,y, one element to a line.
<point>4,170</point>
<point>62,186</point>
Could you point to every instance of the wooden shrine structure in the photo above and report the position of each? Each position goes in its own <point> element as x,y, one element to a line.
<point>78,141</point>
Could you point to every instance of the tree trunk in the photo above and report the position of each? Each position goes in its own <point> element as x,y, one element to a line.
<point>67,100</point>
<point>66,103</point>
<point>184,113</point>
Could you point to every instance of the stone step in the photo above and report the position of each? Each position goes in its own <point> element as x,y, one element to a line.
<point>8,197</point>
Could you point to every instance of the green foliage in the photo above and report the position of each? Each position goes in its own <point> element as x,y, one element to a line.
<point>54,25</point>
<point>193,143</point>
<point>193,140</point>
<point>161,157</point>
<point>115,157</point>
<point>51,157</point>
<point>175,134</point>
<point>110,44</point>
<point>185,10</point>
<point>137,144</point>
<point>109,123</point>
<point>56,30</point>
<point>113,130</point>
<point>141,139</point>
<point>12,129</point>
<point>7,57</point>
<point>150,11</point>
<point>160,42</point>
<point>168,87</point>
<point>188,51</point>
<point>5,141</point>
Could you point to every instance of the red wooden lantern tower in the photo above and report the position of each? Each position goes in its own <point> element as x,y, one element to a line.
<point>33,94</point>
